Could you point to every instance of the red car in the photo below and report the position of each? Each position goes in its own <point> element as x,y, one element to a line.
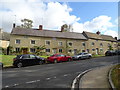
<point>58,58</point>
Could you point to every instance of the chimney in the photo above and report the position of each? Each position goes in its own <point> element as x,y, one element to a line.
<point>40,27</point>
<point>14,25</point>
<point>98,32</point>
<point>116,38</point>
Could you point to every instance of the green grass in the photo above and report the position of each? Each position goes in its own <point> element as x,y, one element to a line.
<point>97,56</point>
<point>115,75</point>
<point>7,60</point>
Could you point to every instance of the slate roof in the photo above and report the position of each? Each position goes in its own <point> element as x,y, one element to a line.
<point>4,35</point>
<point>47,33</point>
<point>96,36</point>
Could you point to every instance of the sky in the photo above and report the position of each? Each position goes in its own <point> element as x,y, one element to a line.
<point>83,16</point>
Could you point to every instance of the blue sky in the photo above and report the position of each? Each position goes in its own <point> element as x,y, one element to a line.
<point>83,16</point>
<point>89,10</point>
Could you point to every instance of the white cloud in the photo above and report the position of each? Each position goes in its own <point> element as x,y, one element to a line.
<point>101,23</point>
<point>52,15</point>
<point>111,33</point>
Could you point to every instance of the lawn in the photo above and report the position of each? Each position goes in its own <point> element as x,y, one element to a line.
<point>97,56</point>
<point>115,75</point>
<point>7,60</point>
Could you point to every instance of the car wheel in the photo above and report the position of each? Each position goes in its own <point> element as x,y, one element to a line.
<point>55,61</point>
<point>19,65</point>
<point>79,58</point>
<point>40,62</point>
<point>89,57</point>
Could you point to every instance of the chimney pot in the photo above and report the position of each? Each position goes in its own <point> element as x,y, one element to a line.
<point>40,27</point>
<point>98,32</point>
<point>14,25</point>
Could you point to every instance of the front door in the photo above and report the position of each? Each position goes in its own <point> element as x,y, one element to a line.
<point>54,50</point>
<point>97,51</point>
<point>25,50</point>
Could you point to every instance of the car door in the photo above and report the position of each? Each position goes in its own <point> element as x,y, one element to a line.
<point>64,58</point>
<point>33,60</point>
<point>25,59</point>
<point>83,55</point>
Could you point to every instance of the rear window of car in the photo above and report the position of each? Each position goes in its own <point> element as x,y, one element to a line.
<point>25,56</point>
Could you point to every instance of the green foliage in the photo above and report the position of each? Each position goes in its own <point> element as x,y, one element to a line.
<point>27,23</point>
<point>110,47</point>
<point>115,75</point>
<point>39,50</point>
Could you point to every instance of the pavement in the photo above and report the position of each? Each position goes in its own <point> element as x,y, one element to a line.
<point>96,78</point>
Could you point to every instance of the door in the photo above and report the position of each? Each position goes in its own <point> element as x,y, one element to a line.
<point>97,51</point>
<point>33,60</point>
<point>25,59</point>
<point>54,50</point>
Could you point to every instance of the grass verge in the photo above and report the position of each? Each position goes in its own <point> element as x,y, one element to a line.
<point>115,75</point>
<point>95,56</point>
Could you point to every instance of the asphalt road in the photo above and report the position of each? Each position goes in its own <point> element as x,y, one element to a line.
<point>60,75</point>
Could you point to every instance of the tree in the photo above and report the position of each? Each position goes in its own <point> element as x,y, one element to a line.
<point>39,50</point>
<point>110,47</point>
<point>27,23</point>
<point>66,28</point>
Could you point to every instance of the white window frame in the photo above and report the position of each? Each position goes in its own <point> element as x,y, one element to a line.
<point>59,42</point>
<point>84,43</point>
<point>16,40</point>
<point>47,48</point>
<point>69,45</point>
<point>59,50</point>
<point>46,41</point>
<point>31,42</point>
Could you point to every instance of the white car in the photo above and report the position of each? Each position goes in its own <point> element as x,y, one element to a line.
<point>83,55</point>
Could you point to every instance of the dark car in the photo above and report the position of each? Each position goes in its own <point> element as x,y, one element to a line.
<point>27,59</point>
<point>117,52</point>
<point>58,58</point>
<point>82,55</point>
<point>110,53</point>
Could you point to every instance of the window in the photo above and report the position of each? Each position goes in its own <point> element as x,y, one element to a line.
<point>70,44</point>
<point>83,43</point>
<point>83,50</point>
<point>101,50</point>
<point>92,43</point>
<point>93,49</point>
<point>60,50</point>
<point>60,43</point>
<point>17,41</point>
<point>88,50</point>
<point>47,42</point>
<point>75,51</point>
<point>47,50</point>
<point>32,57</point>
<point>32,50</point>
<point>108,44</point>
<point>69,51</point>
<point>101,44</point>
<point>25,57</point>
<point>17,49</point>
<point>32,41</point>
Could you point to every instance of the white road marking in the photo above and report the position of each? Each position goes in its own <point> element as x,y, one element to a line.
<point>48,78</point>
<point>16,84</point>
<point>55,77</point>
<point>65,75</point>
<point>31,82</point>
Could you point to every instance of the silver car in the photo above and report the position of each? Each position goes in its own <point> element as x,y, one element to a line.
<point>83,55</point>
